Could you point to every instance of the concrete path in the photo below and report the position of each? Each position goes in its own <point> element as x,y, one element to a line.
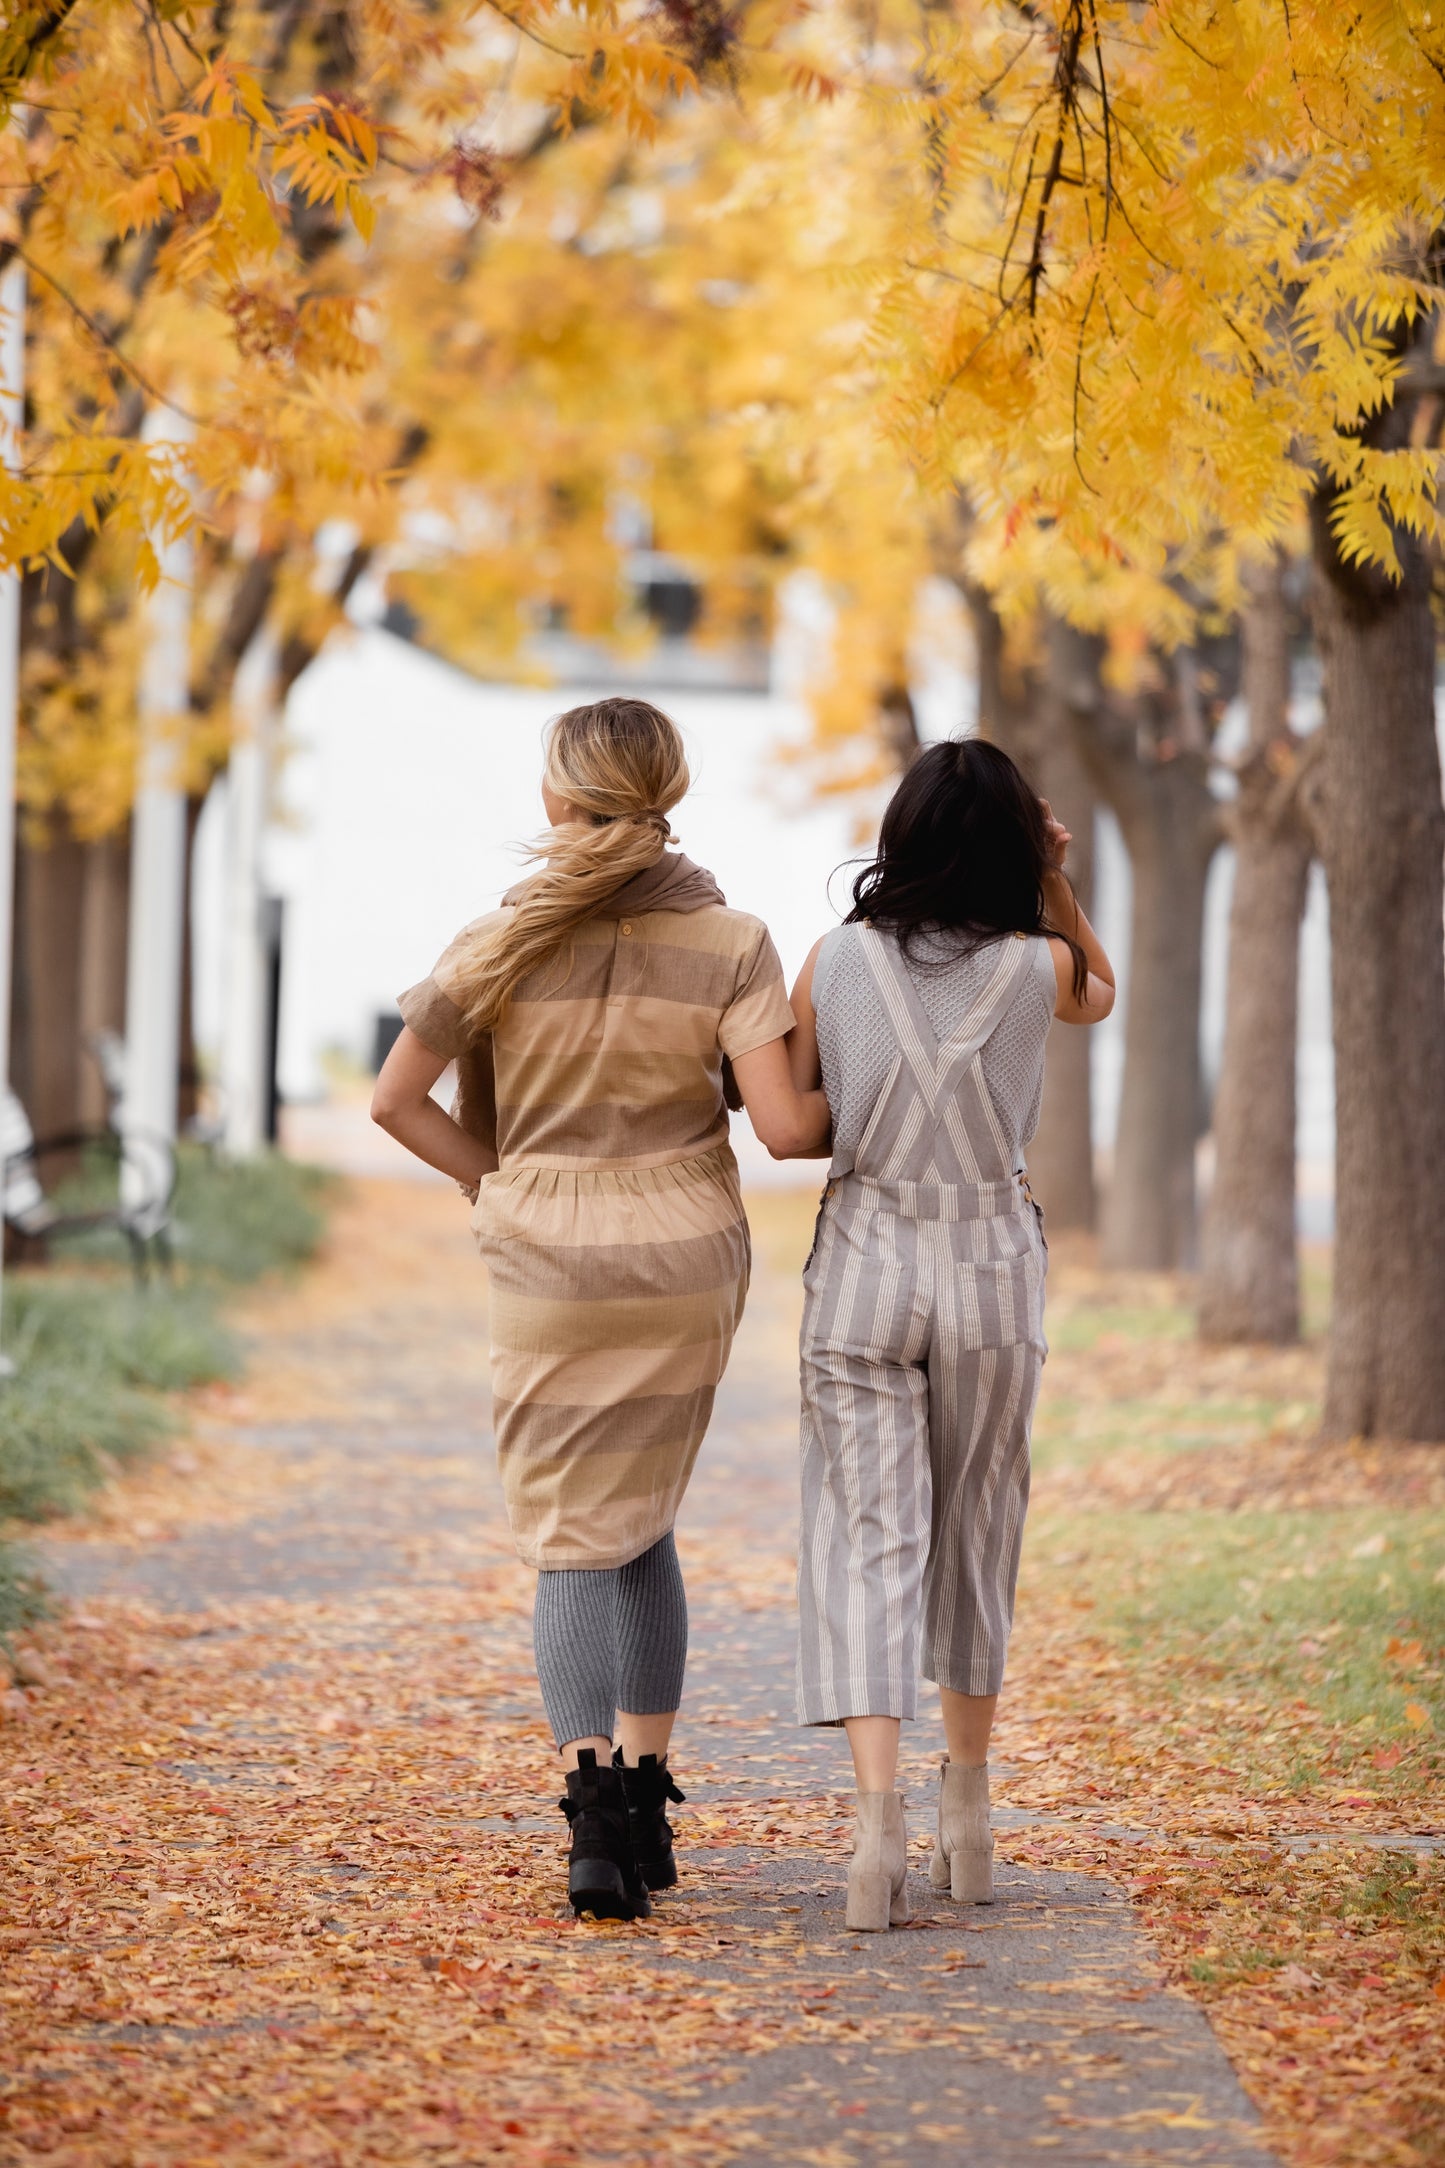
<point>1035,2029</point>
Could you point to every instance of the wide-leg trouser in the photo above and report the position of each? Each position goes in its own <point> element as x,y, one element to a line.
<point>915,1460</point>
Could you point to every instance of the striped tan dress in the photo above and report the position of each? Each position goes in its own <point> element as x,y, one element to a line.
<point>613,1230</point>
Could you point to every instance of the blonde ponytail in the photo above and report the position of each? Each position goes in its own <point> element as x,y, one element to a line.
<point>621,765</point>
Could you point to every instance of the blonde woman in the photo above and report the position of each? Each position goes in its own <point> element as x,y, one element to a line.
<point>589,1019</point>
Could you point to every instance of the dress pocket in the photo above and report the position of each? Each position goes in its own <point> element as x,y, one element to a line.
<point>491,1217</point>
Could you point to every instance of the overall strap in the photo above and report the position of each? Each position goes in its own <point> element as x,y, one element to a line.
<point>936,1068</point>
<point>1013,959</point>
<point>906,1013</point>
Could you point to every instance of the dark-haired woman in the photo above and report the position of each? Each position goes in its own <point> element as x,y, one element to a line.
<point>924,1016</point>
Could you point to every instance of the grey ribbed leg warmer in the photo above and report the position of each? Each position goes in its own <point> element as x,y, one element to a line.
<point>614,1638</point>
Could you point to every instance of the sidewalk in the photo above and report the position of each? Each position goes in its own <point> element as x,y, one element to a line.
<point>287,1830</point>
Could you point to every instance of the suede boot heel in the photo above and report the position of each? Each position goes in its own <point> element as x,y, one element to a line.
<point>602,1872</point>
<point>649,1790</point>
<point>878,1870</point>
<point>963,1857</point>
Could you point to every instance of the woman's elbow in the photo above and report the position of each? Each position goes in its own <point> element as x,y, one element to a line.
<point>1094,1007</point>
<point>794,1139</point>
<point>385,1106</point>
<point>775,1132</point>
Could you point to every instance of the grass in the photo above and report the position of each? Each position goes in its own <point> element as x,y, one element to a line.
<point>1281,1603</point>
<point>1232,1636</point>
<point>233,1222</point>
<point>96,1356</point>
<point>1350,1606</point>
<point>22,1593</point>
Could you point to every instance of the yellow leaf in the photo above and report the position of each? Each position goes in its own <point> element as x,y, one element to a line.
<point>363,212</point>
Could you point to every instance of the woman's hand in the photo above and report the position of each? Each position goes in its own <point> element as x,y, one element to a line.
<point>1059,838</point>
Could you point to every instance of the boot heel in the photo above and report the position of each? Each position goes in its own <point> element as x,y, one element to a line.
<point>971,1880</point>
<point>963,1856</point>
<point>870,1903</point>
<point>878,1870</point>
<point>596,1887</point>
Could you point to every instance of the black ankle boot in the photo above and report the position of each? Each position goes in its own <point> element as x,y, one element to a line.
<point>648,1788</point>
<point>602,1874</point>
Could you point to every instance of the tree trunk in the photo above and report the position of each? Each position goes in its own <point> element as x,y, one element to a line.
<point>1146,757</point>
<point>189,1080</point>
<point>104,917</point>
<point>45,1057</point>
<point>1149,1210</point>
<point>898,726</point>
<point>1382,837</point>
<point>1250,1287</point>
<point>1017,711</point>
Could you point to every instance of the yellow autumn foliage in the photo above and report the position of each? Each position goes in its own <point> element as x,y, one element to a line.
<point>1131,281</point>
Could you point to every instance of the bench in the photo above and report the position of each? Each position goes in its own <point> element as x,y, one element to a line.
<point>145,1168</point>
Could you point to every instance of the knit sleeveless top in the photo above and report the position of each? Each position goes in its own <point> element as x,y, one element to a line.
<point>857,1044</point>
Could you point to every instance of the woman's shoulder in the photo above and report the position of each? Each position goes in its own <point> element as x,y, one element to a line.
<point>484,924</point>
<point>839,963</point>
<point>719,929</point>
<point>450,968</point>
<point>1035,980</point>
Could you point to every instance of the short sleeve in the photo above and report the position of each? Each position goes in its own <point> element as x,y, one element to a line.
<point>759,1011</point>
<point>435,1019</point>
<point>434,1009</point>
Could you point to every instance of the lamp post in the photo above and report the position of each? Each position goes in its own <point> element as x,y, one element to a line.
<point>12,415</point>
<point>158,867</point>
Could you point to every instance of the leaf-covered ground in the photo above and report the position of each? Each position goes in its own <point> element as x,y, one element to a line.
<point>281,1871</point>
<point>96,1356</point>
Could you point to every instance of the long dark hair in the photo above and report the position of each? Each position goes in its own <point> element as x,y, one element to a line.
<point>963,849</point>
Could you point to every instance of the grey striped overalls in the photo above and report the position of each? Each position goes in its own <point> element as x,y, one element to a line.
<point>922,1347</point>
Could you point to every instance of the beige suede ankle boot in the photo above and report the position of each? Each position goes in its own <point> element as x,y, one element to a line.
<point>878,1870</point>
<point>963,1857</point>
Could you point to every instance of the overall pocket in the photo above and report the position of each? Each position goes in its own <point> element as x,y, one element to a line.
<point>1000,1303</point>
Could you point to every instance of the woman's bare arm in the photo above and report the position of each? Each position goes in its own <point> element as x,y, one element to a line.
<point>792,1124</point>
<point>402,1105</point>
<point>802,1041</point>
<point>1062,911</point>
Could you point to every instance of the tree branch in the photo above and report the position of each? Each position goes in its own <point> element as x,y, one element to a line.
<point>122,361</point>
